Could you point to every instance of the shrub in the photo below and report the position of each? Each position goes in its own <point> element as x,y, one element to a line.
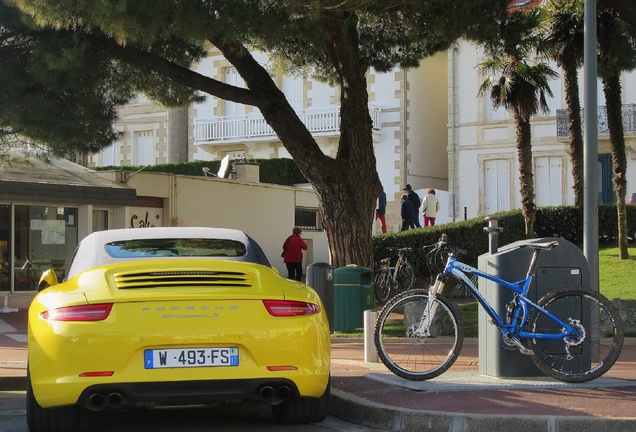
<point>564,222</point>
<point>274,171</point>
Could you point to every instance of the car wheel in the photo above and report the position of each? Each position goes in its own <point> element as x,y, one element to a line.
<point>65,419</point>
<point>299,410</point>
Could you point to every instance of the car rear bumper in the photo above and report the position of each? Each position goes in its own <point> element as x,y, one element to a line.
<point>186,393</point>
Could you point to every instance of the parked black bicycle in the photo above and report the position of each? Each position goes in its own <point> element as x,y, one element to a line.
<point>389,280</point>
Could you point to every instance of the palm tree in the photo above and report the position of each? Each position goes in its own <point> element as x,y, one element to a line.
<point>565,34</point>
<point>616,53</point>
<point>519,85</point>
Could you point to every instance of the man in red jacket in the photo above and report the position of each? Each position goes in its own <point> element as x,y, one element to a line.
<point>293,254</point>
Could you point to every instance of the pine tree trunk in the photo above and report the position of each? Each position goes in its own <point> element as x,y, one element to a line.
<point>613,102</point>
<point>347,185</point>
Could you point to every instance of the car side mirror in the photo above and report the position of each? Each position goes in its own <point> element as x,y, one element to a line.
<point>48,279</point>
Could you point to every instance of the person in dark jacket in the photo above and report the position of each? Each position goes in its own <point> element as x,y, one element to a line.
<point>293,254</point>
<point>408,212</point>
<point>415,199</point>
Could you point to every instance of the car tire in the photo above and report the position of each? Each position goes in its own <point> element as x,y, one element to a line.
<point>64,419</point>
<point>301,410</point>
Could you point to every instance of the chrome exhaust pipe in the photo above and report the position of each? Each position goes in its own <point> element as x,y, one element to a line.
<point>95,402</point>
<point>115,400</point>
<point>283,393</point>
<point>266,393</point>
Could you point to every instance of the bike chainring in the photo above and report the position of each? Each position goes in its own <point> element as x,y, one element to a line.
<point>507,342</point>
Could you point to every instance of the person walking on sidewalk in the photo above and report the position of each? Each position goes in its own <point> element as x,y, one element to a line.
<point>293,254</point>
<point>430,207</point>
<point>407,212</point>
<point>415,199</point>
<point>381,211</point>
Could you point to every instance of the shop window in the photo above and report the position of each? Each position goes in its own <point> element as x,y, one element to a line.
<point>44,238</point>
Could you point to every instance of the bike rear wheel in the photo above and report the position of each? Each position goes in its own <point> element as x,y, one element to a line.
<point>405,277</point>
<point>578,358</point>
<point>418,357</point>
<point>382,286</point>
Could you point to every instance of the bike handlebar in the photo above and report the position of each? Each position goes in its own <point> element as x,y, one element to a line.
<point>443,244</point>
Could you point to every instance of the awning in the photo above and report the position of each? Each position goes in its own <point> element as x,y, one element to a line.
<point>58,181</point>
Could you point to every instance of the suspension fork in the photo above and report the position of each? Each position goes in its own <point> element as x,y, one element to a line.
<point>431,305</point>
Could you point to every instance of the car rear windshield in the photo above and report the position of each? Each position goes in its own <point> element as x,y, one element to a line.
<point>149,248</point>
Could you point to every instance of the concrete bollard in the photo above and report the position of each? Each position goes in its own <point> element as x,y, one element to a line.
<point>6,308</point>
<point>370,353</point>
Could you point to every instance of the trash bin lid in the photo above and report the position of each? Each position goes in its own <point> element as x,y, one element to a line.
<point>352,275</point>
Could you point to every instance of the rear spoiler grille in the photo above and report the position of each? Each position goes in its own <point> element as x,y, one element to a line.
<point>190,278</point>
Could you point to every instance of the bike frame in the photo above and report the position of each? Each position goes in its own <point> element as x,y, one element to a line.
<point>520,315</point>
<point>393,271</point>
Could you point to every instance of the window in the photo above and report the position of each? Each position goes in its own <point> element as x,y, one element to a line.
<point>144,148</point>
<point>548,177</point>
<point>293,89</point>
<point>494,114</point>
<point>189,247</point>
<point>308,219</point>
<point>496,185</point>
<point>109,155</point>
<point>100,220</point>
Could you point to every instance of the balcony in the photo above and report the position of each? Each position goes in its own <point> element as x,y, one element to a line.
<point>629,120</point>
<point>253,126</point>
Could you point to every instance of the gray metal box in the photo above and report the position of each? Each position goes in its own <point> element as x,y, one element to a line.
<point>319,276</point>
<point>561,267</point>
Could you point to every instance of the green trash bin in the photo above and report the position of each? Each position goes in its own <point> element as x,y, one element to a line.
<point>353,294</point>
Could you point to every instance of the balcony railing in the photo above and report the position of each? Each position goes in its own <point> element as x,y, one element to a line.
<point>317,120</point>
<point>629,120</point>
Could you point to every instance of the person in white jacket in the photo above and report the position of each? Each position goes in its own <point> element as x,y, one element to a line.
<point>430,207</point>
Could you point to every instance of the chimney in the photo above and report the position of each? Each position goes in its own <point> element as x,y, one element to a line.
<point>247,171</point>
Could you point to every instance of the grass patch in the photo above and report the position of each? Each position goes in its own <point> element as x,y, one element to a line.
<point>617,277</point>
<point>355,333</point>
<point>469,313</point>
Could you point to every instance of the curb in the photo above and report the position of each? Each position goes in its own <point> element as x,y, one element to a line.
<point>359,411</point>
<point>13,383</point>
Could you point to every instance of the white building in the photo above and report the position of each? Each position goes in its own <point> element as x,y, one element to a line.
<point>431,129</point>
<point>217,128</point>
<point>482,147</point>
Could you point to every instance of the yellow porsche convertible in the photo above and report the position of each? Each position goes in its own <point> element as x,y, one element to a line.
<point>169,317</point>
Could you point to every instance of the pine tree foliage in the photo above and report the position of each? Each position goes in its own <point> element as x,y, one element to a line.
<point>93,55</point>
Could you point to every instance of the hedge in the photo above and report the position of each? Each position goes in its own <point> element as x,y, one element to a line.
<point>565,222</point>
<point>274,171</point>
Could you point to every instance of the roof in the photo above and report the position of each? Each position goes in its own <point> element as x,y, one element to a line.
<point>33,179</point>
<point>91,252</point>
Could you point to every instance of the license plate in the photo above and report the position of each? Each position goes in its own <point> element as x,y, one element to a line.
<point>190,357</point>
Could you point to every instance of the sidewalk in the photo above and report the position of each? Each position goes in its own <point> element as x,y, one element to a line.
<point>461,400</point>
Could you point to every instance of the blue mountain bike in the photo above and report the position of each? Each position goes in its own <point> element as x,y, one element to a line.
<point>573,335</point>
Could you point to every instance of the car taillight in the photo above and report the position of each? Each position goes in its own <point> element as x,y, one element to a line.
<point>287,308</point>
<point>97,312</point>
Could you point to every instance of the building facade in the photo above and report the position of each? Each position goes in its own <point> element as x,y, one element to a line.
<point>47,207</point>
<point>409,126</point>
<point>430,129</point>
<point>483,163</point>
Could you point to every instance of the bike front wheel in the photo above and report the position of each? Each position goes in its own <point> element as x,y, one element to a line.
<point>382,286</point>
<point>413,354</point>
<point>588,354</point>
<point>405,277</point>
